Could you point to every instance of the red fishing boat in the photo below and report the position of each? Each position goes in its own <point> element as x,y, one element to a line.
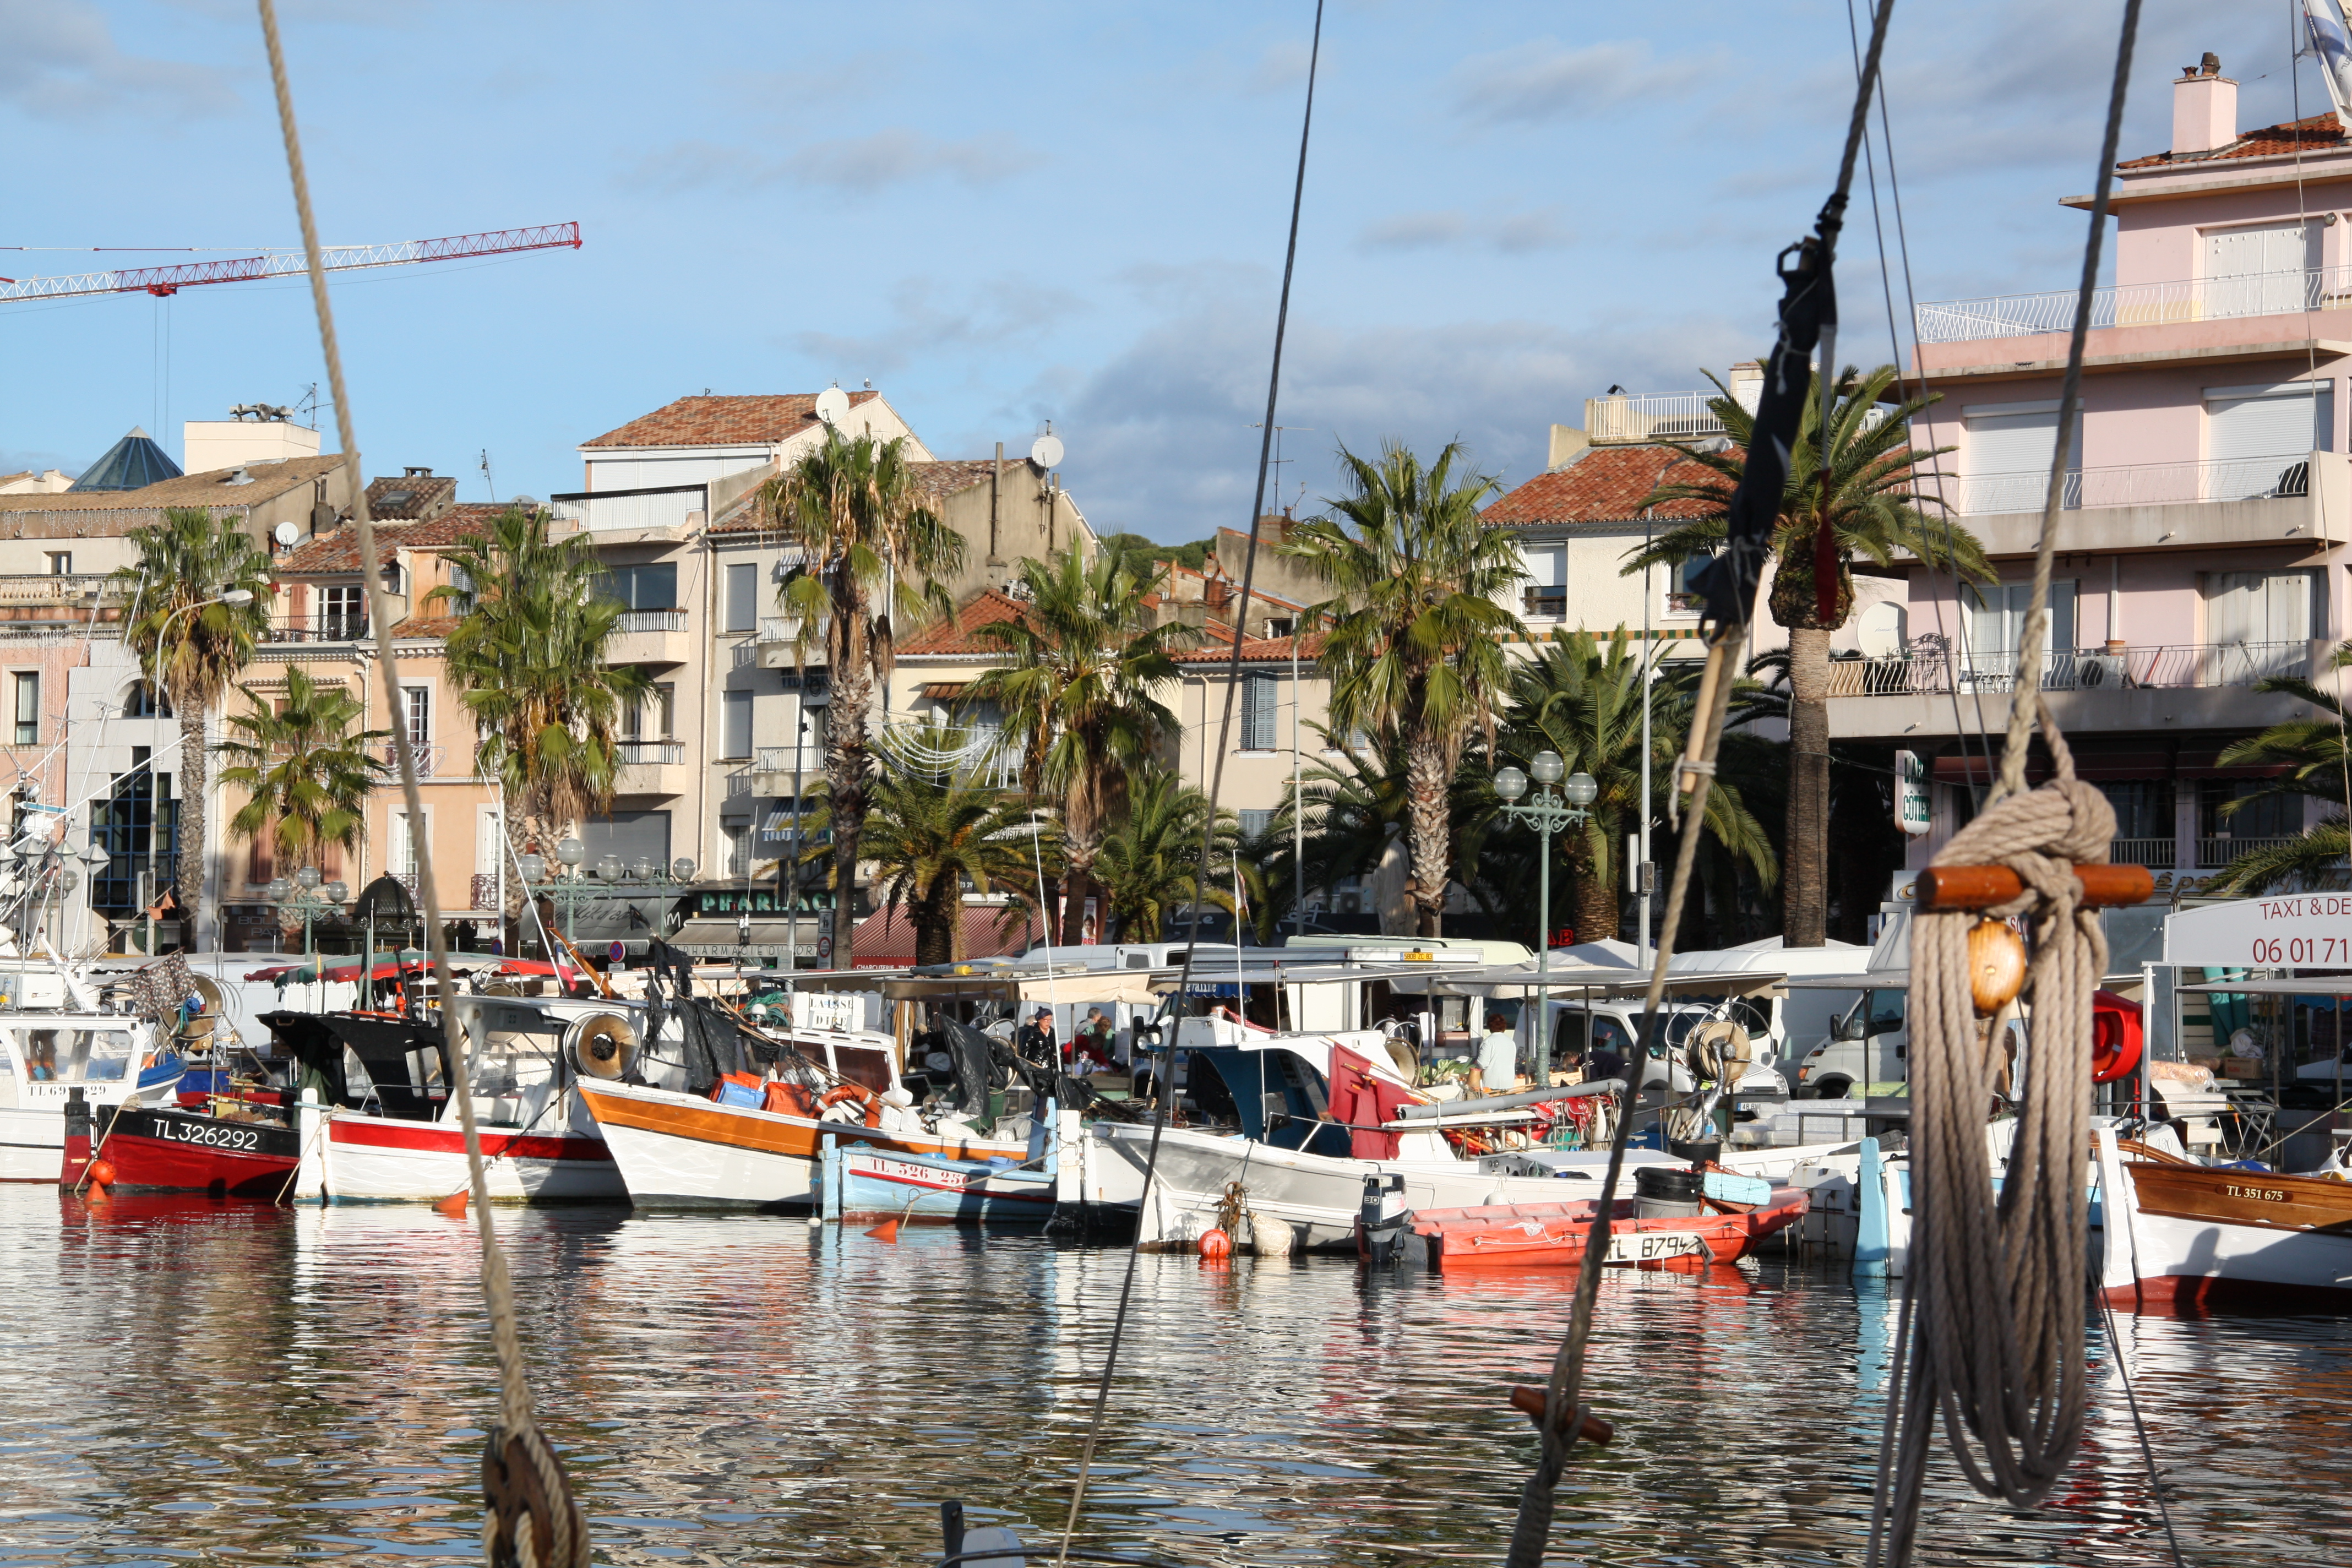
<point>1554,1235</point>
<point>249,1154</point>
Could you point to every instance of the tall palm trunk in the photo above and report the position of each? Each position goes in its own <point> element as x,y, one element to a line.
<point>848,774</point>
<point>1594,898</point>
<point>936,919</point>
<point>194,770</point>
<point>1428,826</point>
<point>1804,873</point>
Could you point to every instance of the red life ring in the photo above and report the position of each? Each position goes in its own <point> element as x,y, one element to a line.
<point>852,1091</point>
<point>2116,1037</point>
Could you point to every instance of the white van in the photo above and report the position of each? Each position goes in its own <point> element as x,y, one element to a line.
<point>1868,1042</point>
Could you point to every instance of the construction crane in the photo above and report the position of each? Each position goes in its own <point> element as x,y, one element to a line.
<point>161,281</point>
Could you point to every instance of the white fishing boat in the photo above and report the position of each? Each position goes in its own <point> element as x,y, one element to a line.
<point>1303,1148</point>
<point>2180,1234</point>
<point>47,1059</point>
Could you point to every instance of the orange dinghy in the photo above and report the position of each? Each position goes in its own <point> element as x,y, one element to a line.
<point>1553,1236</point>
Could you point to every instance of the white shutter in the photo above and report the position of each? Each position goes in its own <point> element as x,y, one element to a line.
<point>2007,456</point>
<point>2257,271</point>
<point>2254,434</point>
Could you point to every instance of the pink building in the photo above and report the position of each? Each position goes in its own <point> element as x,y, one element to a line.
<point>2207,505</point>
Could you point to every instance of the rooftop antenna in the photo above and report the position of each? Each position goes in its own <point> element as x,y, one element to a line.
<point>1278,458</point>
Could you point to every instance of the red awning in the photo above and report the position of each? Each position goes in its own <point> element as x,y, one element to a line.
<point>886,941</point>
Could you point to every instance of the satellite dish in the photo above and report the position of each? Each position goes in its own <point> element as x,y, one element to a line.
<point>1046,452</point>
<point>832,404</point>
<point>285,534</point>
<point>524,503</point>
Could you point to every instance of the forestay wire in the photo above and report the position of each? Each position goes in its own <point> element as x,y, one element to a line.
<point>1808,320</point>
<point>1163,1090</point>
<point>1995,1287</point>
<point>530,1520</point>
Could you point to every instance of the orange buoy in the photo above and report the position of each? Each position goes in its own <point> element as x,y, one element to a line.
<point>886,1231</point>
<point>454,1206</point>
<point>1216,1243</point>
<point>101,1173</point>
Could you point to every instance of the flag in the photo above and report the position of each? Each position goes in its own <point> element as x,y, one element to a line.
<point>2333,47</point>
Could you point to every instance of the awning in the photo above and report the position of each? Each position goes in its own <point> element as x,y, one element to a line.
<point>944,690</point>
<point>1132,988</point>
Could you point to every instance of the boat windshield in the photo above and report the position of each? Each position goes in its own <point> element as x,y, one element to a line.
<point>61,1055</point>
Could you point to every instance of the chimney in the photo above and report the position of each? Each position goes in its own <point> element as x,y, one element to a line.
<point>1567,444</point>
<point>2204,109</point>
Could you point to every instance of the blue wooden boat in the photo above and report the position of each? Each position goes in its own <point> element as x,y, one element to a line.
<point>876,1186</point>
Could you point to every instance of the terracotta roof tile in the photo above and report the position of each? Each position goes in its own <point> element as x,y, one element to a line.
<point>415,496</point>
<point>721,422</point>
<point>2320,133</point>
<point>1219,650</point>
<point>340,551</point>
<point>436,626</point>
<point>1605,485</point>
<point>211,488</point>
<point>955,633</point>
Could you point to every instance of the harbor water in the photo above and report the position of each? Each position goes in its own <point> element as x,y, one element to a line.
<point>189,1382</point>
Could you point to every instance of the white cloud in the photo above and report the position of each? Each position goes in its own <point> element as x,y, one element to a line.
<point>60,61</point>
<point>930,324</point>
<point>1546,80</point>
<point>1451,229</point>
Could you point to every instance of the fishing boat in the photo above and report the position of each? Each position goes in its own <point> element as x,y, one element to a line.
<point>236,1151</point>
<point>712,1133</point>
<point>377,1126</point>
<point>872,1186</point>
<point>1556,1234</point>
<point>1313,1116</point>
<point>2179,1234</point>
<point>107,1060</point>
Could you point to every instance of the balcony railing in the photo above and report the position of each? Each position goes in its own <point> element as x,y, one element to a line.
<point>2223,848</point>
<point>778,760</point>
<point>430,760</point>
<point>2173,668</point>
<point>57,587</point>
<point>650,753</point>
<point>2157,853</point>
<point>779,628</point>
<point>322,629</point>
<point>2138,305</point>
<point>1652,417</point>
<point>2134,484</point>
<point>651,621</point>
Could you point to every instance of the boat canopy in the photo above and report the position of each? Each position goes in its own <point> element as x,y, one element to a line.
<point>1520,980</point>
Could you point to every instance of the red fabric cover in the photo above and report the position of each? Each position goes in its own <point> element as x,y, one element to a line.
<point>1365,1101</point>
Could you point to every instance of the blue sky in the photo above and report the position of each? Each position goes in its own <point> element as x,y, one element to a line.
<point>1008,213</point>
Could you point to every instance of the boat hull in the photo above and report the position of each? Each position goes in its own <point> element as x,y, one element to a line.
<point>878,1186</point>
<point>380,1159</point>
<point>1556,1236</point>
<point>170,1151</point>
<point>678,1151</point>
<point>33,1132</point>
<point>2202,1235</point>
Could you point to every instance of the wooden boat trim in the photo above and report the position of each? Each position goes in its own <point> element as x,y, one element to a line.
<point>2255,1198</point>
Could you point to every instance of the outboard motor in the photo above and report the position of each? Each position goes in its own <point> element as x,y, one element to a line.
<point>1380,1223</point>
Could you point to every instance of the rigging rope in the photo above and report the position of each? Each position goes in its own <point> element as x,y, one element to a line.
<point>531,1520</point>
<point>1164,1092</point>
<point>1999,1352</point>
<point>1808,317</point>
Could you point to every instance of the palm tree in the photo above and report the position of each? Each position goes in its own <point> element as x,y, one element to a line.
<point>932,834</point>
<point>1359,806</point>
<point>192,646</point>
<point>1415,628</point>
<point>306,777</point>
<point>1583,700</point>
<point>1077,692</point>
<point>1869,506</point>
<point>527,656</point>
<point>872,552</point>
<point>1151,862</point>
<point>2318,766</point>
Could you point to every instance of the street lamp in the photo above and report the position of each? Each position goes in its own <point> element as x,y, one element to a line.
<point>306,896</point>
<point>642,874</point>
<point>1547,812</point>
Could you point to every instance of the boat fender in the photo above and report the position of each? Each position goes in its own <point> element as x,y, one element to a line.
<point>1214,1245</point>
<point>101,1173</point>
<point>1270,1236</point>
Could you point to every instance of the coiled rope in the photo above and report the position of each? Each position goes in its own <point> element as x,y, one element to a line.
<point>531,1520</point>
<point>1995,1284</point>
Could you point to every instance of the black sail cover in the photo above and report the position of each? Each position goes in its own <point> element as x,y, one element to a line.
<point>1808,307</point>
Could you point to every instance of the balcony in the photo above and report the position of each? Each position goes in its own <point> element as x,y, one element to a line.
<point>773,769</point>
<point>651,767</point>
<point>2152,689</point>
<point>323,627</point>
<point>1633,417</point>
<point>649,637</point>
<point>775,641</point>
<point>432,762</point>
<point>2221,848</point>
<point>2137,305</point>
<point>2135,484</point>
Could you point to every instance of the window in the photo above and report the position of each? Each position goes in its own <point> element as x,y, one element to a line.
<point>60,562</point>
<point>1257,824</point>
<point>633,836</point>
<point>2262,816</point>
<point>2255,437</point>
<point>142,701</point>
<point>738,835</point>
<point>28,706</point>
<point>1258,705</point>
<point>416,702</point>
<point>342,613</point>
<point>459,578</point>
<point>2143,807</point>
<point>743,597</point>
<point>2259,271</point>
<point>2006,449</point>
<point>2256,624</point>
<point>400,858</point>
<point>137,825</point>
<point>654,715</point>
<point>648,588</point>
<point>735,726</point>
<point>1545,596</point>
<point>1996,624</point>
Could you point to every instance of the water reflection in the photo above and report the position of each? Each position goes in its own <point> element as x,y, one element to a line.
<point>181,1378</point>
